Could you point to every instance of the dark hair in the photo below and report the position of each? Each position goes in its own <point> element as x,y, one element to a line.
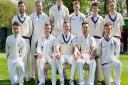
<point>38,1</point>
<point>16,23</point>
<point>21,2</point>
<point>85,22</point>
<point>111,1</point>
<point>47,24</point>
<point>66,21</point>
<point>75,2</point>
<point>95,4</point>
<point>107,24</point>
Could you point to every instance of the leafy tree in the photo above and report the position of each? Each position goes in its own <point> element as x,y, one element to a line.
<point>7,11</point>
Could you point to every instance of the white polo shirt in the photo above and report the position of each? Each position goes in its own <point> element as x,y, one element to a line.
<point>38,22</point>
<point>76,23</point>
<point>58,16</point>
<point>95,25</point>
<point>15,46</point>
<point>85,43</point>
<point>46,45</point>
<point>26,24</point>
<point>108,49</point>
<point>116,24</point>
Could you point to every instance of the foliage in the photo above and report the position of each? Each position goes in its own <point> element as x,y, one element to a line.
<point>7,11</point>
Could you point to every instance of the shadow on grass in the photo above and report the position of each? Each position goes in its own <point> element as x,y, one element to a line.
<point>4,82</point>
<point>48,82</point>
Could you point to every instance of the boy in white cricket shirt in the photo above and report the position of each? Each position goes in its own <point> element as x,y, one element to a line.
<point>76,19</point>
<point>45,49</point>
<point>109,55</point>
<point>96,30</point>
<point>58,13</point>
<point>64,52</point>
<point>15,49</point>
<point>117,21</point>
<point>86,48</point>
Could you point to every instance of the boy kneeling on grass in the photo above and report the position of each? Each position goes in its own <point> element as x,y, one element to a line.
<point>109,49</point>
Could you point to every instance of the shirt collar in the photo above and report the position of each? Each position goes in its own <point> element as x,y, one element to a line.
<point>76,14</point>
<point>67,35</point>
<point>23,15</point>
<point>95,16</point>
<point>49,37</point>
<point>16,36</point>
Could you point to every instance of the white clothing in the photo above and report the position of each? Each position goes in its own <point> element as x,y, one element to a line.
<point>58,16</point>
<point>85,44</point>
<point>96,26</point>
<point>116,24</point>
<point>15,47</point>
<point>76,23</point>
<point>109,49</point>
<point>45,47</point>
<point>96,29</point>
<point>26,32</point>
<point>66,49</point>
<point>38,22</point>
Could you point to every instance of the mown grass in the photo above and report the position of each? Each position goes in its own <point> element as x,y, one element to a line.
<point>4,80</point>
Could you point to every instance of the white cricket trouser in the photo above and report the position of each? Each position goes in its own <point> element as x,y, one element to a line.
<point>98,64</point>
<point>16,70</point>
<point>119,44</point>
<point>107,68</point>
<point>40,64</point>
<point>26,59</point>
<point>92,67</point>
<point>33,51</point>
<point>66,59</point>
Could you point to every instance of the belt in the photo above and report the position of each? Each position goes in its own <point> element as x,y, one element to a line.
<point>116,37</point>
<point>97,37</point>
<point>106,63</point>
<point>25,37</point>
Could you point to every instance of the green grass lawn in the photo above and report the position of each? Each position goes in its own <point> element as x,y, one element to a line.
<point>4,80</point>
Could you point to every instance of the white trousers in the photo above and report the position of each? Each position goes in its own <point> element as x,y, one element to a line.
<point>107,68</point>
<point>66,59</point>
<point>40,65</point>
<point>119,44</point>
<point>98,64</point>
<point>92,67</point>
<point>33,51</point>
<point>26,59</point>
<point>16,70</point>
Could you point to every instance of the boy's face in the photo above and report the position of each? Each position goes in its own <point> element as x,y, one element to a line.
<point>95,9</point>
<point>47,29</point>
<point>76,7</point>
<point>66,27</point>
<point>16,29</point>
<point>108,30</point>
<point>85,29</point>
<point>112,6</point>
